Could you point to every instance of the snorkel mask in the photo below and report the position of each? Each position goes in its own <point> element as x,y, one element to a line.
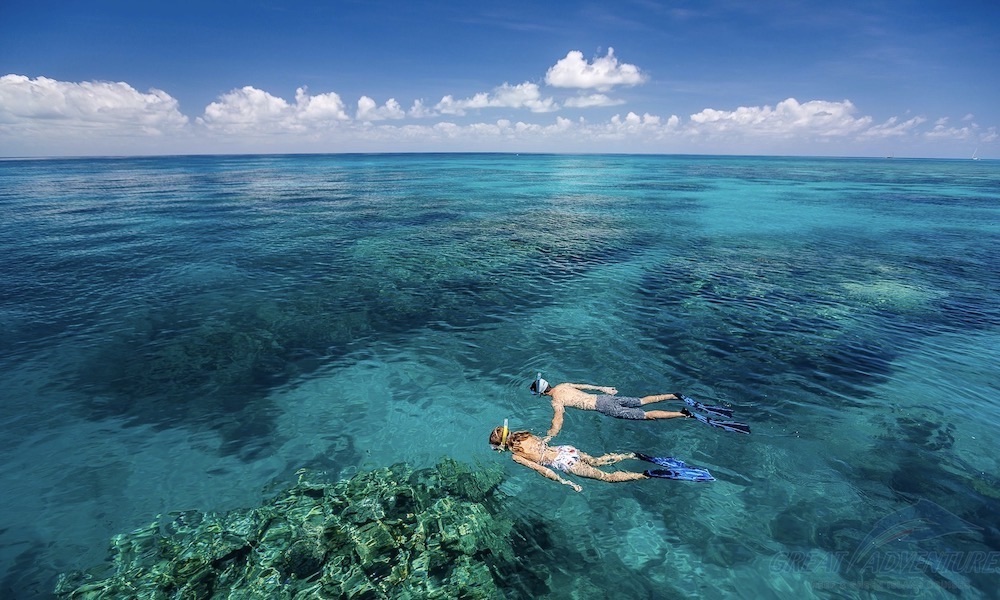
<point>540,385</point>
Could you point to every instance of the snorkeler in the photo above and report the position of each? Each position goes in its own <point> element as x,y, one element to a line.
<point>533,452</point>
<point>623,407</point>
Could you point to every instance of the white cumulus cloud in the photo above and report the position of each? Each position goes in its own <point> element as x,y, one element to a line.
<point>43,116</point>
<point>45,104</point>
<point>943,131</point>
<point>524,95</point>
<point>787,118</point>
<point>323,109</point>
<point>633,124</point>
<point>369,110</point>
<point>249,109</point>
<point>419,111</point>
<point>603,74</point>
<point>246,107</point>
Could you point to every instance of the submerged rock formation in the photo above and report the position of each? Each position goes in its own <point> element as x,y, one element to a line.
<point>388,533</point>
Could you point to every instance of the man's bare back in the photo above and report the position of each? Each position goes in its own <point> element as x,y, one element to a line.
<point>572,394</point>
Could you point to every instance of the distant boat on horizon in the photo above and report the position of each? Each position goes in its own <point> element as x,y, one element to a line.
<point>975,155</point>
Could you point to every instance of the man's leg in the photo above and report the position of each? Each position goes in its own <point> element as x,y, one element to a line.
<point>659,398</point>
<point>664,414</point>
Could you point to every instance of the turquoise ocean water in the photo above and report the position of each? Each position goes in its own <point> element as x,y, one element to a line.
<point>187,332</point>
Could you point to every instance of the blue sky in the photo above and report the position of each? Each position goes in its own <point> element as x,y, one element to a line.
<point>850,78</point>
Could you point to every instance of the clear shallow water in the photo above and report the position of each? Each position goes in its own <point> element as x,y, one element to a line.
<point>185,333</point>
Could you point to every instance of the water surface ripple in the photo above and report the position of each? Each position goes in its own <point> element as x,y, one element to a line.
<point>186,332</point>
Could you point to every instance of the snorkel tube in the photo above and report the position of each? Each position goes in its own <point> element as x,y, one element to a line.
<point>503,435</point>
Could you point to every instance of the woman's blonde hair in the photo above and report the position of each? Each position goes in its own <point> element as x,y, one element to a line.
<point>514,437</point>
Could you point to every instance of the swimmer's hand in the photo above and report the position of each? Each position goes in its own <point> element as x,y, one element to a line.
<point>610,391</point>
<point>575,486</point>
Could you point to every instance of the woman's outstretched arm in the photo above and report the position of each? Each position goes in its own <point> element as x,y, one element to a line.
<point>544,471</point>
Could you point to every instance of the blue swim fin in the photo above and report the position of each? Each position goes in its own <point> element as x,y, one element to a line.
<point>719,411</point>
<point>664,461</point>
<point>727,425</point>
<point>675,469</point>
<point>685,474</point>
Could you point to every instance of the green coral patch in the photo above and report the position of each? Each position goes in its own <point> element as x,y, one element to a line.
<point>388,533</point>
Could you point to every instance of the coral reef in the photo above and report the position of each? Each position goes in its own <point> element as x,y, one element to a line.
<point>211,347</point>
<point>388,533</point>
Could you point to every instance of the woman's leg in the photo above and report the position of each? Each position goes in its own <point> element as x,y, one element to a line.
<point>584,470</point>
<point>605,459</point>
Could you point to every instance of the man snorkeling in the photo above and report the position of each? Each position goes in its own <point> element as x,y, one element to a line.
<point>533,452</point>
<point>623,407</point>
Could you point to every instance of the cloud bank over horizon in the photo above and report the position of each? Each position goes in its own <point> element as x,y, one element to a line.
<point>43,116</point>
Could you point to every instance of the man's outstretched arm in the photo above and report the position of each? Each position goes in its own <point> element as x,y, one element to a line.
<point>557,419</point>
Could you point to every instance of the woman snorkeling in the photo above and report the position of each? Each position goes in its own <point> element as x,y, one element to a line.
<point>534,452</point>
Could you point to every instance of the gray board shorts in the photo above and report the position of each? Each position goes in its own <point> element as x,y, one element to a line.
<point>621,407</point>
